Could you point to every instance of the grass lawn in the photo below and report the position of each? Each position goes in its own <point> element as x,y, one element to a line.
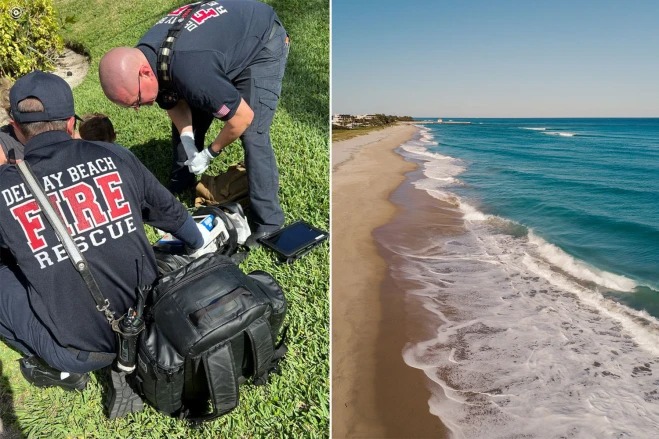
<point>296,403</point>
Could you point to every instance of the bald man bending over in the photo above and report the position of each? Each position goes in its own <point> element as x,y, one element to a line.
<point>227,62</point>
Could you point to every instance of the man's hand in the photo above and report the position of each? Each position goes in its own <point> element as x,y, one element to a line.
<point>208,247</point>
<point>200,162</point>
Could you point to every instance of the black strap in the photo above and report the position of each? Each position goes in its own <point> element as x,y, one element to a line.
<point>11,156</point>
<point>75,256</point>
<point>232,245</point>
<point>91,356</point>
<point>278,353</point>
<point>260,336</point>
<point>222,382</point>
<point>167,49</point>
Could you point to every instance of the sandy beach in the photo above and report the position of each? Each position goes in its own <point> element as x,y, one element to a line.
<point>374,393</point>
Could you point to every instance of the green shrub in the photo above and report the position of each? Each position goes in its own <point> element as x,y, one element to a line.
<point>29,36</point>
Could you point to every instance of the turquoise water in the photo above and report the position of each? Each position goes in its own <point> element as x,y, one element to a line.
<point>546,303</point>
<point>588,186</point>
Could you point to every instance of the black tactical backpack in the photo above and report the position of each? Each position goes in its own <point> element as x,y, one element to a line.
<point>209,327</point>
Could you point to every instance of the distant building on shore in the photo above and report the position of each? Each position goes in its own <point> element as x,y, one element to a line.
<point>442,121</point>
<point>349,121</point>
<point>352,121</point>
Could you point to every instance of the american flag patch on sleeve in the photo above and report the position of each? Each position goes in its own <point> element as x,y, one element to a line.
<point>223,111</point>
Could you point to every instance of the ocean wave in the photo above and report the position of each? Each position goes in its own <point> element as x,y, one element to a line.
<point>560,133</point>
<point>643,327</point>
<point>471,213</point>
<point>421,152</point>
<point>427,138</point>
<point>580,269</point>
<point>430,186</point>
<point>444,169</point>
<point>550,131</point>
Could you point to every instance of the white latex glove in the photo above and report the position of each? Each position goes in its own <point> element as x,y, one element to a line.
<point>209,243</point>
<point>187,139</point>
<point>200,162</point>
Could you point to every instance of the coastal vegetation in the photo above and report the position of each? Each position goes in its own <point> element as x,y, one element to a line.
<point>346,126</point>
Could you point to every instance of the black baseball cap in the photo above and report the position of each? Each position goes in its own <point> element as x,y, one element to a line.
<point>53,92</point>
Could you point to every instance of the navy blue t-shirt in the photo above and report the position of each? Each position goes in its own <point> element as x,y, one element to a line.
<point>217,44</point>
<point>103,192</point>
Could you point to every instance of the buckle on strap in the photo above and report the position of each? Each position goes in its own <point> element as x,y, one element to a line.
<point>105,309</point>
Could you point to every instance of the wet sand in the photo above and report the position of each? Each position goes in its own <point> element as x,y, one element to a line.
<point>374,393</point>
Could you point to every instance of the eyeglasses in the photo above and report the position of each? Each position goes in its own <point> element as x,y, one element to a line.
<point>138,104</point>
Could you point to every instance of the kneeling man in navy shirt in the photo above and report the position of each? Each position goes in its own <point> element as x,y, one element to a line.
<point>104,195</point>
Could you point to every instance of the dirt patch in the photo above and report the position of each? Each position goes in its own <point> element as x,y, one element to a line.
<point>71,66</point>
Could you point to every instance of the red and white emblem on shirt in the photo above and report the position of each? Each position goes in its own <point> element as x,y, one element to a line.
<point>223,111</point>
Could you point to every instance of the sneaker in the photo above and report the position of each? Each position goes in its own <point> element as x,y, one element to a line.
<point>121,399</point>
<point>40,374</point>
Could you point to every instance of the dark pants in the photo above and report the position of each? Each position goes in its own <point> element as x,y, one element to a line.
<point>260,86</point>
<point>23,330</point>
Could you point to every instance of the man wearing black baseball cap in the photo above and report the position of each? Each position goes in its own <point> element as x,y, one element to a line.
<point>55,100</point>
<point>104,195</point>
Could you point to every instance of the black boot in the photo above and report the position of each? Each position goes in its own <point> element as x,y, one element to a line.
<point>39,374</point>
<point>121,399</point>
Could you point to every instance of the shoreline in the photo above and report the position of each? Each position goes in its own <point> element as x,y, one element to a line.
<point>420,220</point>
<point>374,393</point>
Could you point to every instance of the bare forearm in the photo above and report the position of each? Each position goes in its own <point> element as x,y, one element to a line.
<point>234,127</point>
<point>227,135</point>
<point>181,117</point>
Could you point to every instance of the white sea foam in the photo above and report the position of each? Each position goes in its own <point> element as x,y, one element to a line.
<point>526,345</point>
<point>443,171</point>
<point>471,213</point>
<point>431,187</point>
<point>440,171</point>
<point>426,139</point>
<point>551,132</point>
<point>421,152</point>
<point>560,133</point>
